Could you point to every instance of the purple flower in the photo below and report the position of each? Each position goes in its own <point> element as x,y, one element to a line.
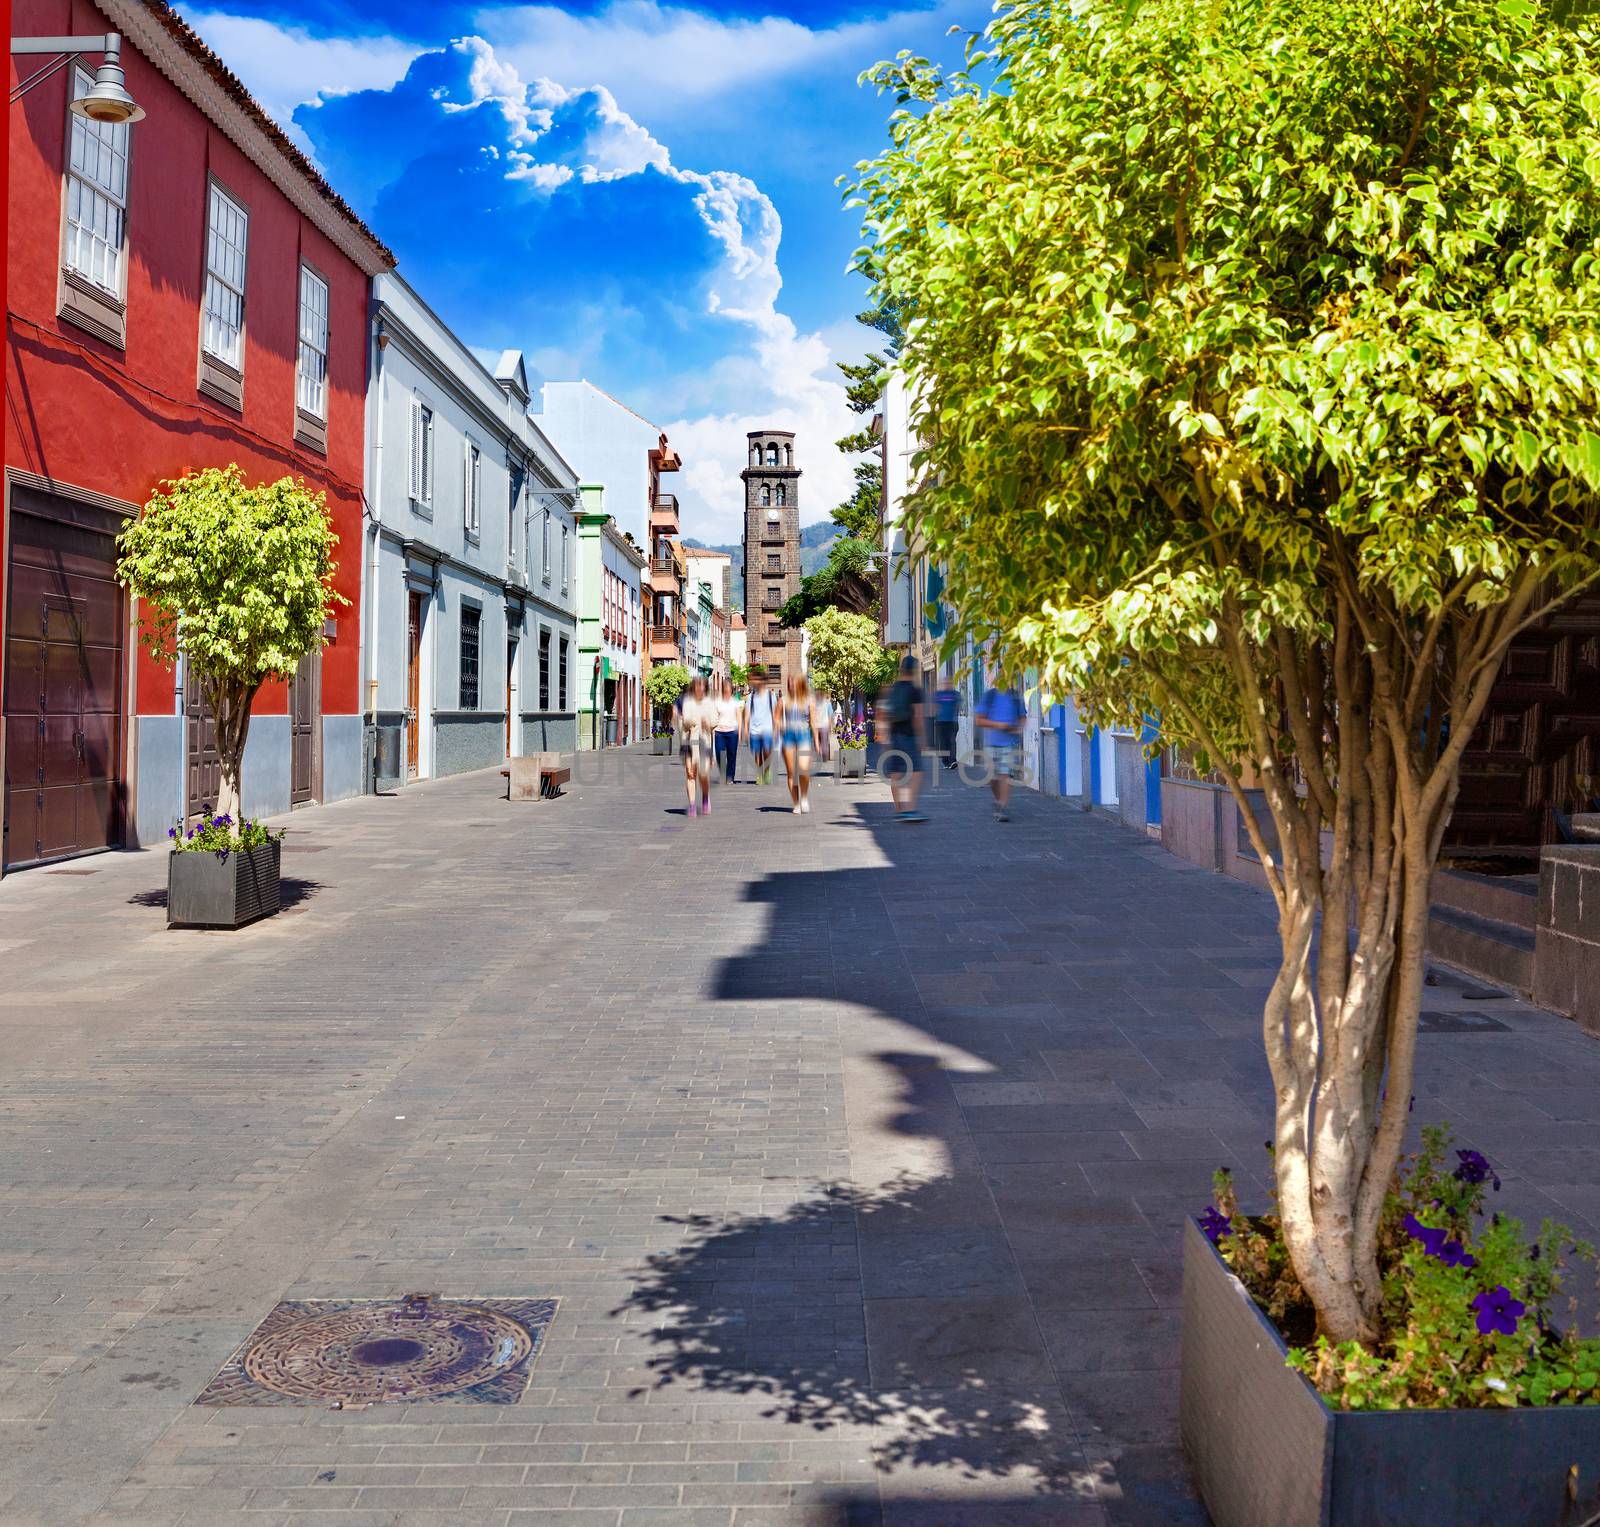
<point>1432,1240</point>
<point>172,832</point>
<point>1498,1311</point>
<point>1216,1225</point>
<point>1454,1254</point>
<point>1475,1169</point>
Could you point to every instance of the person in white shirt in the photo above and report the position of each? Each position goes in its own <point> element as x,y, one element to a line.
<point>697,719</point>
<point>730,718</point>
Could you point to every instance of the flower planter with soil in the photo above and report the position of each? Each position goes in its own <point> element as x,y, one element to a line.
<point>213,890</point>
<point>852,763</point>
<point>1469,1407</point>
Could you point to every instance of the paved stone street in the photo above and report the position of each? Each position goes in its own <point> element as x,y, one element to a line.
<point>855,1154</point>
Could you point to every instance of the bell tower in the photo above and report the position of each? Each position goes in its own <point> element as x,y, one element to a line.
<point>771,549</point>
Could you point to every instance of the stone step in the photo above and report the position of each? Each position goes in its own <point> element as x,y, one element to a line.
<point>1495,951</point>
<point>1510,899</point>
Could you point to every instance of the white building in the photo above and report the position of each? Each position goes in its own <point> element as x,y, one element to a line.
<point>468,629</point>
<point>610,627</point>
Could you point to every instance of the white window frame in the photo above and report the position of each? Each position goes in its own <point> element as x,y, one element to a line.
<point>472,489</point>
<point>102,188</point>
<point>563,558</point>
<point>547,545</point>
<point>224,286</point>
<point>421,455</point>
<point>311,355</point>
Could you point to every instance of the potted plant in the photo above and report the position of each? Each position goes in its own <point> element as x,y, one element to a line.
<point>222,873</point>
<point>1474,1407</point>
<point>1255,397</point>
<point>239,581</point>
<point>666,683</point>
<point>851,735</point>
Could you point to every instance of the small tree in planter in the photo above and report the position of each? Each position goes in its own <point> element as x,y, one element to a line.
<point>1257,368</point>
<point>239,579</point>
<point>845,655</point>
<point>666,682</point>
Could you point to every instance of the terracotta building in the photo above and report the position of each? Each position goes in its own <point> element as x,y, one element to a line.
<point>184,291</point>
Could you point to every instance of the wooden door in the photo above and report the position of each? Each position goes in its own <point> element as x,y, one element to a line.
<point>203,764</point>
<point>63,694</point>
<point>305,722</point>
<point>1537,749</point>
<point>511,669</point>
<point>413,684</point>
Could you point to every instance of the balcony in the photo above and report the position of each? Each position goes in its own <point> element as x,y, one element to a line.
<point>663,565</point>
<point>664,512</point>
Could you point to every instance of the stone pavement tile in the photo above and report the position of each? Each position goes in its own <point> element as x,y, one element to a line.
<point>1120,1407</point>
<point>1092,1340</point>
<point>939,1263</point>
<point>1055,1146</point>
<point>968,1344</point>
<point>1060,1274</point>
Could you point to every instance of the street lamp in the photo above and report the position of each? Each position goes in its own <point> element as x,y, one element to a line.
<point>107,100</point>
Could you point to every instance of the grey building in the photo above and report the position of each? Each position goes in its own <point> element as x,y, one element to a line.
<point>469,635</point>
<point>771,551</point>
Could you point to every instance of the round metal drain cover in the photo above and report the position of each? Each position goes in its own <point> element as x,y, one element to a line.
<point>369,1353</point>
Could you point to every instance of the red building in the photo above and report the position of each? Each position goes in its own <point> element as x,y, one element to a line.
<point>184,291</point>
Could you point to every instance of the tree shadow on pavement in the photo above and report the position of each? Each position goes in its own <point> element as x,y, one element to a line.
<point>1001,1318</point>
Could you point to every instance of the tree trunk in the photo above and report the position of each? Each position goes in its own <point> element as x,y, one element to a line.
<point>230,708</point>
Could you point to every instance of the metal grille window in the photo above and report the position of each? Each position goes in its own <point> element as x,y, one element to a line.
<point>562,676</point>
<point>311,370</point>
<point>421,454</point>
<point>227,235</point>
<point>774,562</point>
<point>544,670</point>
<point>472,490</point>
<point>97,196</point>
<point>471,621</point>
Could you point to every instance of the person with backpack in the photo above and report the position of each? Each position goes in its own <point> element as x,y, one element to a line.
<point>999,721</point>
<point>758,724</point>
<point>901,719</point>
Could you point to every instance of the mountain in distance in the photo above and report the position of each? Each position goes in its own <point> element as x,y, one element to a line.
<point>814,543</point>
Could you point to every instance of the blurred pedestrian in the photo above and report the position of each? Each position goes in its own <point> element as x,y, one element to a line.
<point>1000,725</point>
<point>901,722</point>
<point>760,717</point>
<point>797,722</point>
<point>730,717</point>
<point>697,719</point>
<point>827,714</point>
<point>946,711</point>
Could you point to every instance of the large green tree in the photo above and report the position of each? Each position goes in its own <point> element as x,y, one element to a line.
<point>845,655</point>
<point>239,580</point>
<point>1258,375</point>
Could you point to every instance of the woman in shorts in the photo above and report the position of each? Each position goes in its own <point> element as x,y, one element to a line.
<point>799,726</point>
<point>697,720</point>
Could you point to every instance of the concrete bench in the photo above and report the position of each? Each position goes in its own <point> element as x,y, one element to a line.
<point>538,777</point>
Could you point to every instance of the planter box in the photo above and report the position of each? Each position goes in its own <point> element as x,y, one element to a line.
<point>852,763</point>
<point>1265,1449</point>
<point>204,891</point>
<point>660,746</point>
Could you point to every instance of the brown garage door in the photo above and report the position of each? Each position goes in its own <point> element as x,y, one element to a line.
<point>63,684</point>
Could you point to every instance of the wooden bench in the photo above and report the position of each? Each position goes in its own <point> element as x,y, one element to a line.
<point>538,777</point>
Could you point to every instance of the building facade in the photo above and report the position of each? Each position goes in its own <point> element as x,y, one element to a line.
<point>610,583</point>
<point>610,445</point>
<point>184,291</point>
<point>738,656</point>
<point>472,553</point>
<point>771,551</point>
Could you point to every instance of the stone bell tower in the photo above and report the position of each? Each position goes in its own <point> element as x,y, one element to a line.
<point>771,550</point>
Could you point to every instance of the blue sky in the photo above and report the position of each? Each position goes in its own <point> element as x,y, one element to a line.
<point>636,192</point>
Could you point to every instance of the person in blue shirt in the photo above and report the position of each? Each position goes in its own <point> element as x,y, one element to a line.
<point>946,710</point>
<point>999,721</point>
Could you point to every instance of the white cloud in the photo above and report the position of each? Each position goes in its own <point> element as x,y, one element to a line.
<point>786,378</point>
<point>286,67</point>
<point>661,58</point>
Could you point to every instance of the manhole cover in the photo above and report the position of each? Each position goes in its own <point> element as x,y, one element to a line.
<point>374,1352</point>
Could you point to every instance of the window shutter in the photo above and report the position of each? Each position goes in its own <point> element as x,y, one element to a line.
<point>427,455</point>
<point>416,450</point>
<point>466,486</point>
